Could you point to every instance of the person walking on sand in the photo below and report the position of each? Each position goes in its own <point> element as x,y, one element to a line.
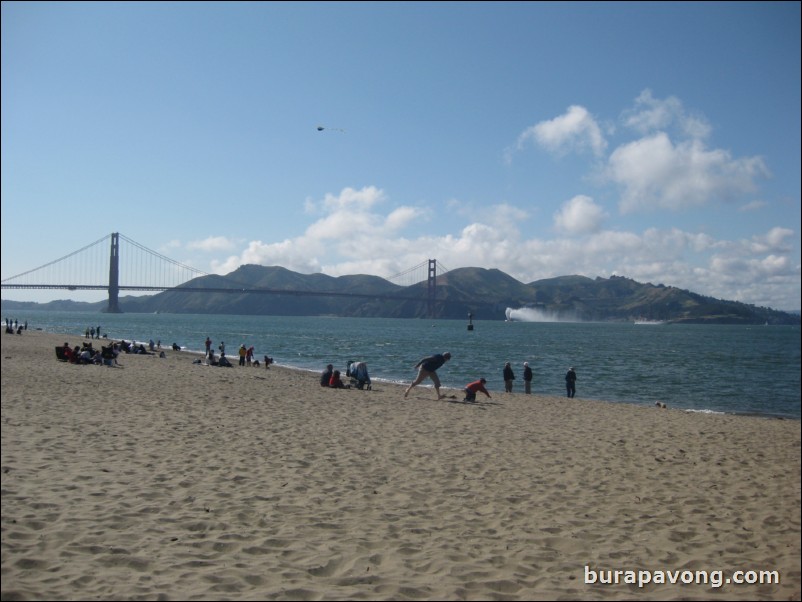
<point>509,376</point>
<point>570,382</point>
<point>427,368</point>
<point>527,378</point>
<point>472,388</point>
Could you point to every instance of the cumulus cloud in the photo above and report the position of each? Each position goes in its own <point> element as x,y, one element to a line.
<point>758,269</point>
<point>655,173</point>
<point>575,130</point>
<point>580,215</point>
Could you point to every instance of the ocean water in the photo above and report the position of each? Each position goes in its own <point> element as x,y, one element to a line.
<point>709,368</point>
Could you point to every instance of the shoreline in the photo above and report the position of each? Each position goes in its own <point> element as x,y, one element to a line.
<point>684,381</point>
<point>168,480</point>
<point>453,390</point>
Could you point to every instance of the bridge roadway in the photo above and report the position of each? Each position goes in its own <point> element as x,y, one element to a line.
<point>263,291</point>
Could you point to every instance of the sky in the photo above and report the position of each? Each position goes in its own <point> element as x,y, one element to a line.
<point>658,141</point>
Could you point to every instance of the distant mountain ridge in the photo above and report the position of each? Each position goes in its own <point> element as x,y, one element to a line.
<point>482,293</point>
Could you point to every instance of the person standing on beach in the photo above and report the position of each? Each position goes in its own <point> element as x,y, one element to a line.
<point>208,345</point>
<point>509,376</point>
<point>472,388</point>
<point>527,378</point>
<point>243,351</point>
<point>570,382</point>
<point>427,368</point>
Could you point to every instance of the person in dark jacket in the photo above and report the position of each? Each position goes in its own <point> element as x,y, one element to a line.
<point>325,378</point>
<point>570,382</point>
<point>427,368</point>
<point>509,376</point>
<point>527,378</point>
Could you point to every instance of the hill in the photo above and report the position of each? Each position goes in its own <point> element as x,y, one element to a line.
<point>483,293</point>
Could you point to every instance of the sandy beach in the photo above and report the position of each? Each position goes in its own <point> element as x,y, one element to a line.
<point>166,480</point>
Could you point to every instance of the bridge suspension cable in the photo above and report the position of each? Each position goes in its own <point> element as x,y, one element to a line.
<point>417,273</point>
<point>108,264</point>
<point>55,261</point>
<point>168,271</point>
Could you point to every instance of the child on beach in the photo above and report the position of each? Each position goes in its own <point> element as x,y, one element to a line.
<point>472,388</point>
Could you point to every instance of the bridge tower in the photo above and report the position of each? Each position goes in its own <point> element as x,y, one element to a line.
<point>431,286</point>
<point>114,275</point>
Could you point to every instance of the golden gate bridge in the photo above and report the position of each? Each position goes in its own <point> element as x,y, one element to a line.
<point>116,263</point>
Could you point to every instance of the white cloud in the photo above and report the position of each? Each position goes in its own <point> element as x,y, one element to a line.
<point>401,217</point>
<point>654,173</point>
<point>752,206</point>
<point>576,130</point>
<point>759,269</point>
<point>650,114</point>
<point>212,244</point>
<point>351,199</point>
<point>777,239</point>
<point>579,215</point>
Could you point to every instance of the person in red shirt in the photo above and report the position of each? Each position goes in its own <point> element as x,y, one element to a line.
<point>472,388</point>
<point>336,382</point>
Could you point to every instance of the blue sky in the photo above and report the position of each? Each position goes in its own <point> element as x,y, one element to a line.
<point>657,141</point>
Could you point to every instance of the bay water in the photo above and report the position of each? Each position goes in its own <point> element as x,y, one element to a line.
<point>706,368</point>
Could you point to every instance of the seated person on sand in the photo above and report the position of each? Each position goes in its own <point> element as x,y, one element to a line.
<point>472,388</point>
<point>109,355</point>
<point>336,382</point>
<point>325,378</point>
<point>176,347</point>
<point>223,362</point>
<point>68,355</point>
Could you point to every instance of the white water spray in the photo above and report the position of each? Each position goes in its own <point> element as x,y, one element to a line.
<point>531,314</point>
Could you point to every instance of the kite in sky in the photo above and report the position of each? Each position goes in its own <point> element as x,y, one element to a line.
<point>320,128</point>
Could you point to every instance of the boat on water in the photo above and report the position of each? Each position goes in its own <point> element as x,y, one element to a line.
<point>641,322</point>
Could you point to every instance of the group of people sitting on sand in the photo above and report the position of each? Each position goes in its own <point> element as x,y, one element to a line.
<point>357,373</point>
<point>107,355</point>
<point>86,354</point>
